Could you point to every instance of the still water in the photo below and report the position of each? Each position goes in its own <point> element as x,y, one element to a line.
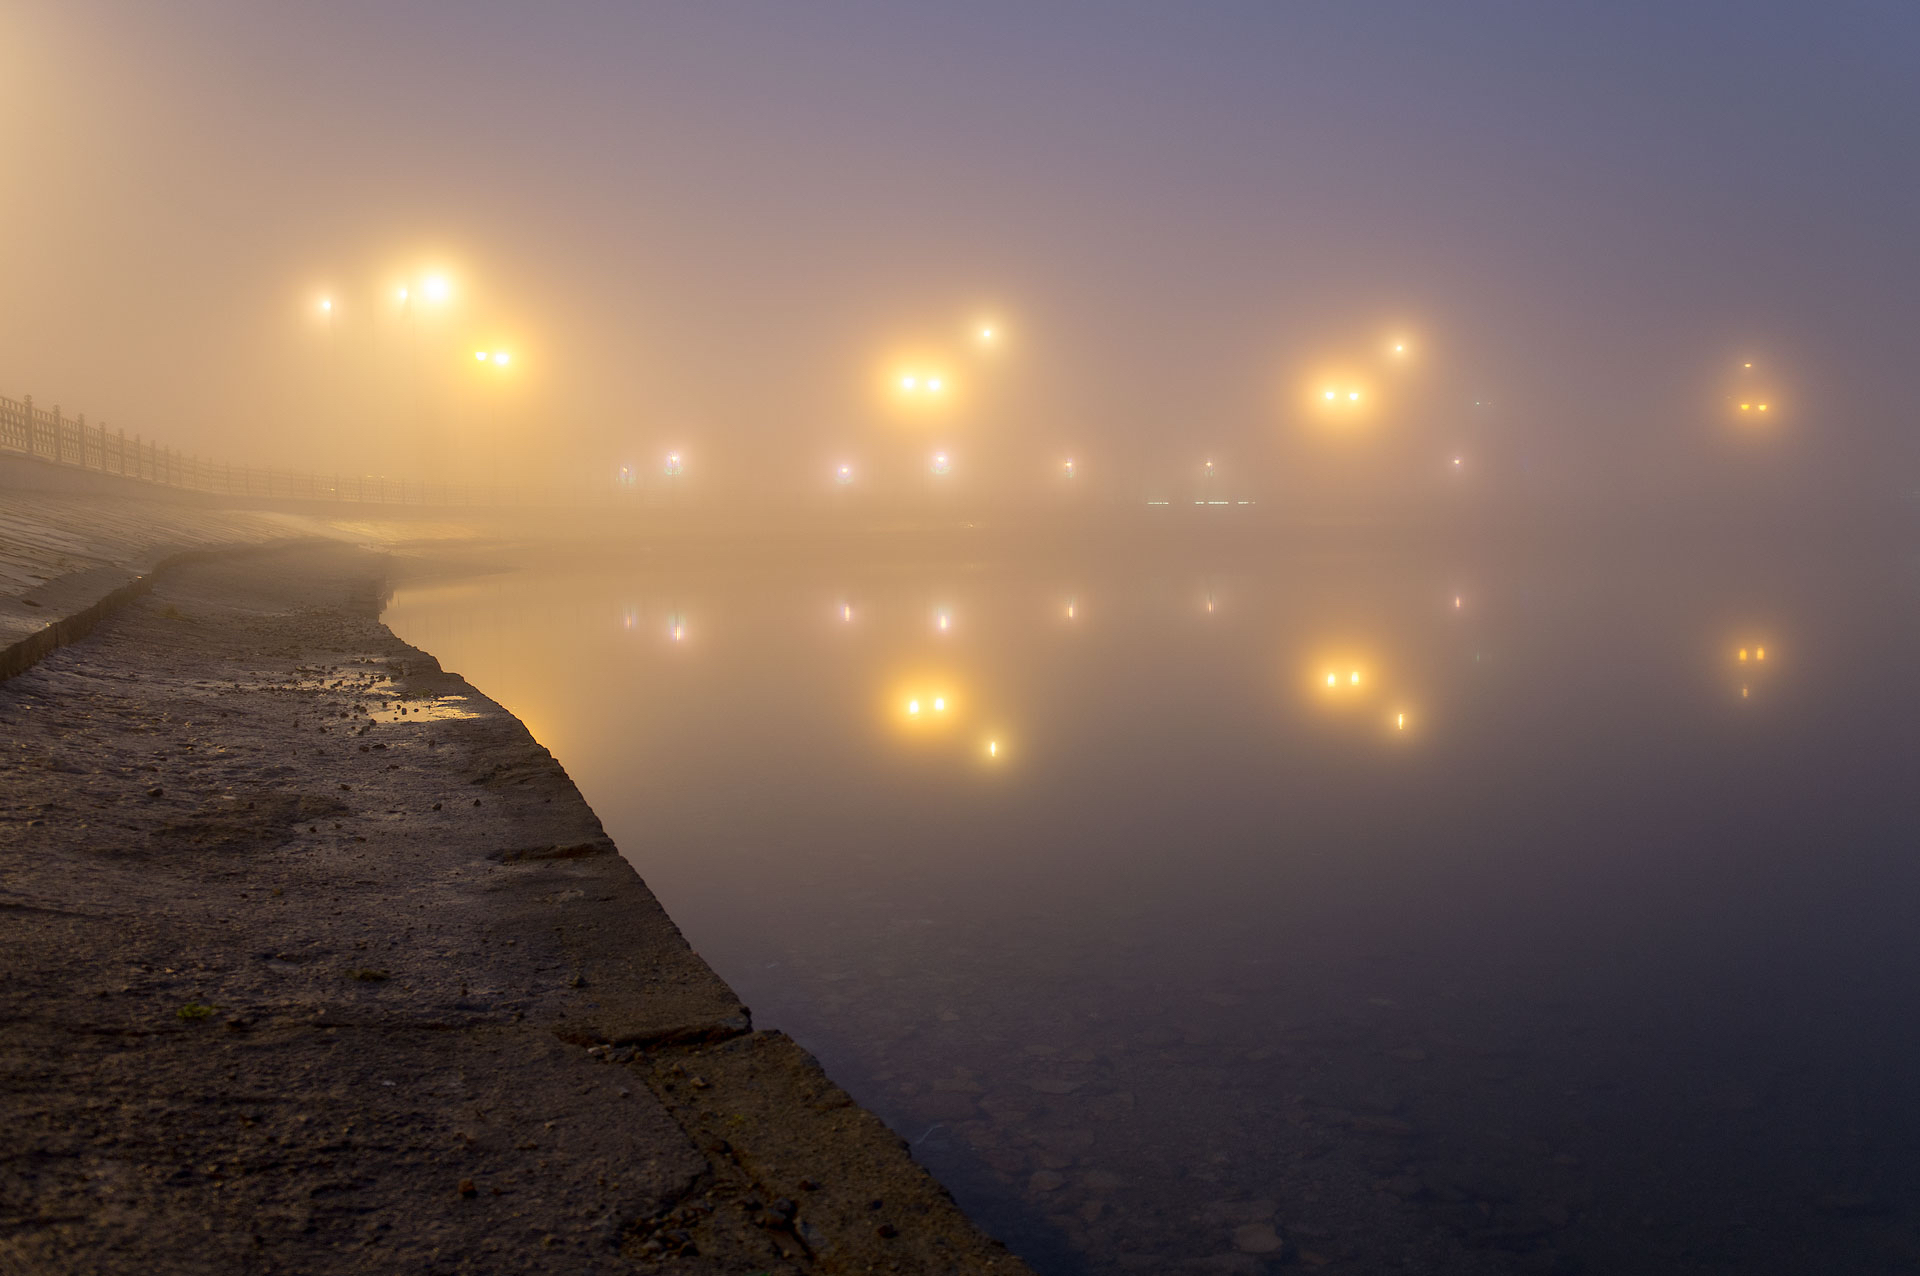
<point>1533,910</point>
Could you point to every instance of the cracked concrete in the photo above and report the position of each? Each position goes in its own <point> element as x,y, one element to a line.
<point>318,962</point>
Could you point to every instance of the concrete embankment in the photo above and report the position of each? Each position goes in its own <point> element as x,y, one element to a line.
<point>317,961</point>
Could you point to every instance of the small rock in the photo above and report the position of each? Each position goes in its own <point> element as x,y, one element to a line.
<point>467,1189</point>
<point>1256,1238</point>
<point>1045,1180</point>
<point>886,1231</point>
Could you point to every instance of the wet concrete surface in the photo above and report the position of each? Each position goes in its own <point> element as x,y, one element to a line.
<point>317,961</point>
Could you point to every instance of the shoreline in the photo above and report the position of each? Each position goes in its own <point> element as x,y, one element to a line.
<point>323,963</point>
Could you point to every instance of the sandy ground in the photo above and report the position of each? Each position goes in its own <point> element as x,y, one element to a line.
<point>317,961</point>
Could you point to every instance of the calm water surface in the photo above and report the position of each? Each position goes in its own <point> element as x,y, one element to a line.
<point>1553,934</point>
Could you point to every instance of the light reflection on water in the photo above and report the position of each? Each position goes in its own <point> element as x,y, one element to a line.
<point>1490,916</point>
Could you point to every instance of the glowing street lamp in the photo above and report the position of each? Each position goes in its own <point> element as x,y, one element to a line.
<point>326,306</point>
<point>843,475</point>
<point>673,465</point>
<point>437,288</point>
<point>1068,467</point>
<point>941,464</point>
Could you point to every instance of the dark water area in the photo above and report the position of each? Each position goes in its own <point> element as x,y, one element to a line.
<point>1524,909</point>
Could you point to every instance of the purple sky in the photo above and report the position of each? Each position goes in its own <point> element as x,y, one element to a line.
<point>716,227</point>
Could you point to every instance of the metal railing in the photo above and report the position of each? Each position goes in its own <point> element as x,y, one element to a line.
<point>27,430</point>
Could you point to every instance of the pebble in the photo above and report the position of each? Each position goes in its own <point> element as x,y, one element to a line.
<point>1257,1238</point>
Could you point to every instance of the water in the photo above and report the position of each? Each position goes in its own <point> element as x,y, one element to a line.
<point>1563,939</point>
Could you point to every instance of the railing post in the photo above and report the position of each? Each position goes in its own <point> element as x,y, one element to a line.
<point>59,448</point>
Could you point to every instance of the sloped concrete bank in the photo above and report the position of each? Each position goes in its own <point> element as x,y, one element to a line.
<point>317,962</point>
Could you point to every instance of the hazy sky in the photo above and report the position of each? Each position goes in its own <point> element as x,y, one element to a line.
<point>717,227</point>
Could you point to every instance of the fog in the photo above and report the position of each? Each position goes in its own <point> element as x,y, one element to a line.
<point>725,230</point>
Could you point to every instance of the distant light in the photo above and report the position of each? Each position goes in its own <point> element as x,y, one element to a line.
<point>436,288</point>
<point>502,358</point>
<point>1746,407</point>
<point>933,385</point>
<point>400,294</point>
<point>993,748</point>
<point>940,463</point>
<point>1069,467</point>
<point>939,704</point>
<point>986,334</point>
<point>1400,721</point>
<point>846,611</point>
<point>844,474</point>
<point>673,463</point>
<point>913,706</point>
<point>1743,693</point>
<point>909,383</point>
<point>1763,407</point>
<point>1743,653</point>
<point>1330,680</point>
<point>1331,395</point>
<point>1069,611</point>
<point>1456,462</point>
<point>326,303</point>
<point>1746,365</point>
<point>1456,602</point>
<point>1759,653</point>
<point>481,355</point>
<point>1354,678</point>
<point>1399,347</point>
<point>1353,396</point>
